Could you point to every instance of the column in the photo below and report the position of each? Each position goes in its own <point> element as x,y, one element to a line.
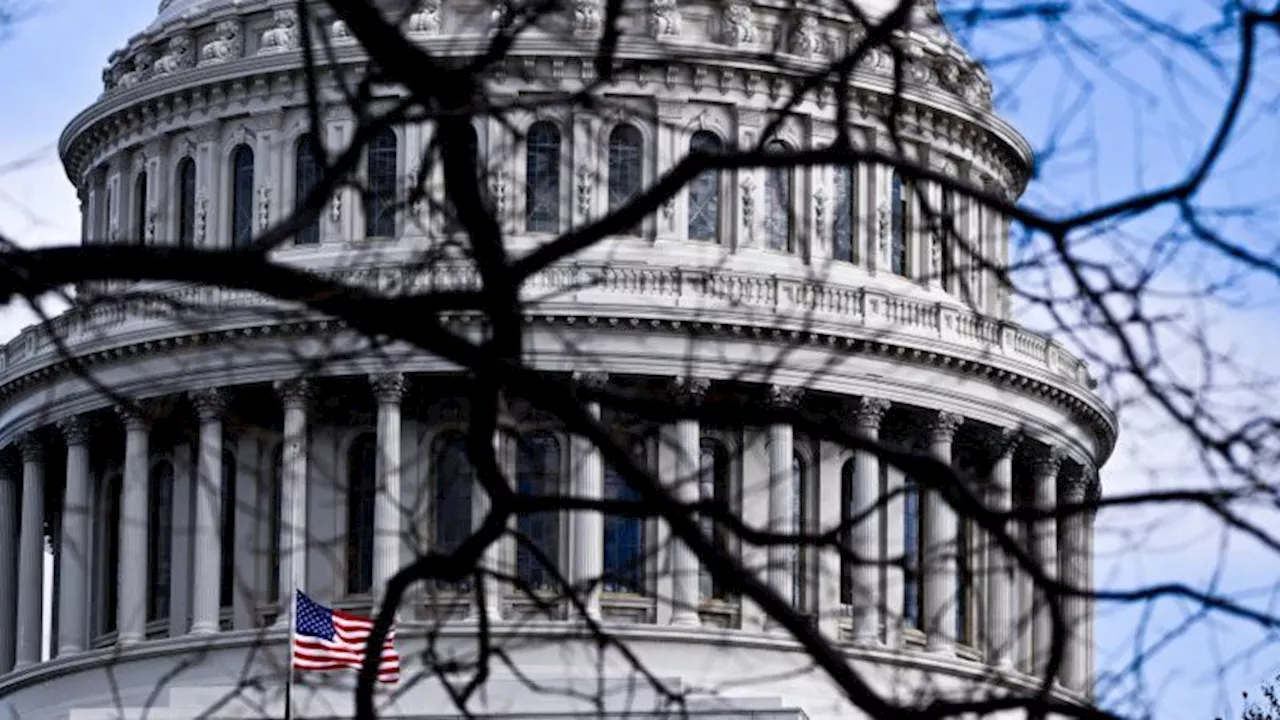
<point>864,575</point>
<point>781,497</point>
<point>685,488</point>
<point>30,555</point>
<point>131,612</point>
<point>389,389</point>
<point>1044,551</point>
<point>8,565</point>
<point>588,525</point>
<point>73,580</point>
<point>939,525</point>
<point>294,395</point>
<point>206,599</point>
<point>1072,567</point>
<point>1001,622</point>
<point>1090,517</point>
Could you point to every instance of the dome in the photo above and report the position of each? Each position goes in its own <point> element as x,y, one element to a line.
<point>831,277</point>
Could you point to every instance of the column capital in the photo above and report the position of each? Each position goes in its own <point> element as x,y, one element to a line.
<point>389,387</point>
<point>1004,442</point>
<point>591,380</point>
<point>133,416</point>
<point>785,396</point>
<point>209,403</point>
<point>295,392</point>
<point>1048,461</point>
<point>1073,487</point>
<point>691,390</point>
<point>31,448</point>
<point>75,430</point>
<point>944,424</point>
<point>870,412</point>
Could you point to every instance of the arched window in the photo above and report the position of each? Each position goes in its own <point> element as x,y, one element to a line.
<point>704,191</point>
<point>624,550</point>
<point>140,208</point>
<point>109,531</point>
<point>947,232</point>
<point>361,487</point>
<point>911,605</point>
<point>537,473</point>
<point>844,215</point>
<point>542,178</point>
<point>186,182</point>
<point>848,476</point>
<point>799,522</point>
<point>241,196</point>
<point>899,249</point>
<point>626,172</point>
<point>779,189</point>
<point>275,522</point>
<point>714,483</point>
<point>306,176</point>
<point>380,190</point>
<point>108,212</point>
<point>453,480</point>
<point>159,540</point>
<point>226,587</point>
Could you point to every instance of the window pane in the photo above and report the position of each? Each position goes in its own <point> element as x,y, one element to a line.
<point>186,202</point>
<point>844,213</point>
<point>538,473</point>
<point>704,191</point>
<point>777,216</point>
<point>846,516</point>
<point>275,522</point>
<point>241,196</point>
<point>911,554</point>
<point>542,178</point>
<point>361,484</point>
<point>796,525</point>
<point>226,590</point>
<point>306,176</point>
<point>947,228</point>
<point>380,194</point>
<point>898,227</point>
<point>625,170</point>
<point>714,485</point>
<point>623,536</point>
<point>454,480</point>
<point>140,208</point>
<point>111,552</point>
<point>160,540</point>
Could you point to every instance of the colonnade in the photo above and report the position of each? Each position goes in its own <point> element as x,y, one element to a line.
<point>1016,623</point>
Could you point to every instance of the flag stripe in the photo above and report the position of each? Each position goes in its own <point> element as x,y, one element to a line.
<point>329,639</point>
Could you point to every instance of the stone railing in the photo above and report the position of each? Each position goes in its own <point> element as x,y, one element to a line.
<point>576,289</point>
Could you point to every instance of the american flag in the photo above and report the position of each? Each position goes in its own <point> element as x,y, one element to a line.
<point>328,639</point>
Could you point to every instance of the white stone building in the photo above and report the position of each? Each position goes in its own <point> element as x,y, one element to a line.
<point>177,534</point>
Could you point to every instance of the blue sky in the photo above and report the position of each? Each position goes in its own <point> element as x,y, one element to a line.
<point>1130,124</point>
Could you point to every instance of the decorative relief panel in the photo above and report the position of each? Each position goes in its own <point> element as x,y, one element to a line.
<point>283,35</point>
<point>227,44</point>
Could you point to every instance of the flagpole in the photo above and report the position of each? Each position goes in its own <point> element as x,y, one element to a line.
<point>293,628</point>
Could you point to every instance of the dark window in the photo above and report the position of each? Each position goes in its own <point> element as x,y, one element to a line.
<point>704,191</point>
<point>848,477</point>
<point>241,196</point>
<point>625,168</point>
<point>454,480</point>
<point>380,194</point>
<point>946,234</point>
<point>186,202</point>
<point>538,473</point>
<point>542,178</point>
<point>306,175</point>
<point>109,576</point>
<point>964,584</point>
<point>911,605</point>
<point>108,208</point>
<point>361,487</point>
<point>275,522</point>
<point>799,522</point>
<point>159,540</point>
<point>140,208</point>
<point>779,189</point>
<point>714,484</point>
<point>226,587</point>
<point>898,248</point>
<point>624,549</point>
<point>844,216</point>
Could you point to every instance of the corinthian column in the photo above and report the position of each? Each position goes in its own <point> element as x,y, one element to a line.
<point>73,580</point>
<point>389,390</point>
<point>588,525</point>
<point>1073,569</point>
<point>863,536</point>
<point>294,395</point>
<point>685,568</point>
<point>131,613</point>
<point>940,537</point>
<point>1044,550</point>
<point>782,577</point>
<point>207,575</point>
<point>1001,625</point>
<point>31,554</point>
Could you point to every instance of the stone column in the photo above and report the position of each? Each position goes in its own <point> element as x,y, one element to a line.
<point>864,535</point>
<point>1001,624</point>
<point>207,551</point>
<point>686,489</point>
<point>588,526</point>
<point>389,389</point>
<point>1072,568</point>
<point>31,554</point>
<point>8,565</point>
<point>73,590</point>
<point>1044,550</point>
<point>781,498</point>
<point>131,613</point>
<point>294,395</point>
<point>939,525</point>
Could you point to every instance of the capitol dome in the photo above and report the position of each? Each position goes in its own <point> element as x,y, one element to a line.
<point>224,468</point>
